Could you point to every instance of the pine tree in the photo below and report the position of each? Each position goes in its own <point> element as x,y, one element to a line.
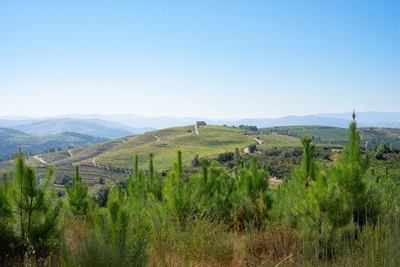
<point>177,193</point>
<point>308,167</point>
<point>350,174</point>
<point>34,205</point>
<point>78,200</point>
<point>7,236</point>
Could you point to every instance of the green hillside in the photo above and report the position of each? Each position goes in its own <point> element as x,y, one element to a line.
<point>211,141</point>
<point>370,136</point>
<point>164,143</point>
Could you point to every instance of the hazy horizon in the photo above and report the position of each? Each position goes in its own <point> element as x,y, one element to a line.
<point>208,59</point>
<point>99,116</point>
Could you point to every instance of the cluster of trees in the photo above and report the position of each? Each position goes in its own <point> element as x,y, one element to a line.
<point>244,127</point>
<point>324,205</point>
<point>383,149</point>
<point>248,127</point>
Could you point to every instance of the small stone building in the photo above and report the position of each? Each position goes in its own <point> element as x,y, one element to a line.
<point>201,123</point>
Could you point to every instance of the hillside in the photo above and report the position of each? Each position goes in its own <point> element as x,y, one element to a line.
<point>116,157</point>
<point>54,126</point>
<point>11,140</point>
<point>370,136</point>
<point>211,141</point>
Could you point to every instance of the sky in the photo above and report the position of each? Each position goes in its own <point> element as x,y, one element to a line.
<point>210,59</point>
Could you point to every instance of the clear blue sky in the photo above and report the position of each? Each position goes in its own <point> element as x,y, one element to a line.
<point>212,59</point>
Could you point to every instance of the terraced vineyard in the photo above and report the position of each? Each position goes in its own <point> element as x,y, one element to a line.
<point>66,160</point>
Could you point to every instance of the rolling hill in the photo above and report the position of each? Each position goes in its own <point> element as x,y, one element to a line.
<point>114,159</point>
<point>55,126</point>
<point>164,143</point>
<point>11,140</point>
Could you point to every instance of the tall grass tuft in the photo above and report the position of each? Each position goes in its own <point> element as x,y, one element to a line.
<point>194,242</point>
<point>92,247</point>
<point>277,244</point>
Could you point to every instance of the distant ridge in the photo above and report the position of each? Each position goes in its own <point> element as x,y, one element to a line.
<point>370,118</point>
<point>55,126</point>
<point>139,124</point>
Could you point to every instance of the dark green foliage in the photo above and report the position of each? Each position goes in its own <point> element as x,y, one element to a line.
<point>252,148</point>
<point>196,161</point>
<point>384,149</point>
<point>225,157</point>
<point>101,196</point>
<point>65,180</point>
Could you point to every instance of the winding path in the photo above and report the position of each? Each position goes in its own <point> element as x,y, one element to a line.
<point>160,140</point>
<point>40,159</point>
<point>156,137</point>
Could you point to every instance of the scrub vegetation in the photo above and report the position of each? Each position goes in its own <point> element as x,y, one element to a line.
<point>334,207</point>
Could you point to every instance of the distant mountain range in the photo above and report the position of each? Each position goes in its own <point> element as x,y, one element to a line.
<point>364,119</point>
<point>116,126</point>
<point>374,119</point>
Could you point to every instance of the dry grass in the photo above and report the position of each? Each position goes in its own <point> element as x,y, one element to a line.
<point>74,232</point>
<point>197,242</point>
<point>277,245</point>
<point>174,258</point>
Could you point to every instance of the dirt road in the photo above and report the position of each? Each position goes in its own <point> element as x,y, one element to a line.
<point>40,159</point>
